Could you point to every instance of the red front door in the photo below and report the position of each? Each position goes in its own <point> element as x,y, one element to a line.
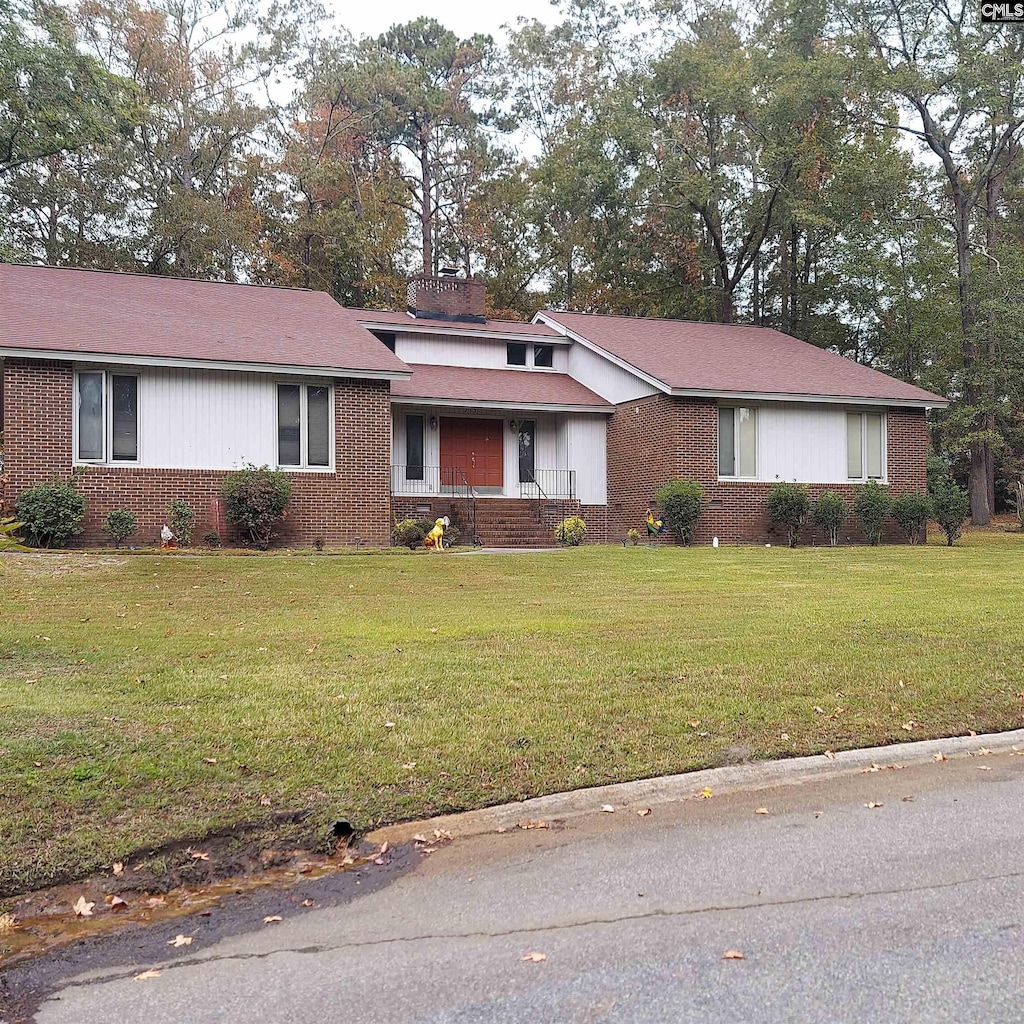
<point>475,446</point>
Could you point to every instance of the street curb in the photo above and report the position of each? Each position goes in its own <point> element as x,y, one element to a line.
<point>675,788</point>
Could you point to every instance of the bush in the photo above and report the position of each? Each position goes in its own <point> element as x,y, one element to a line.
<point>211,539</point>
<point>53,513</point>
<point>951,508</point>
<point>871,503</point>
<point>256,500</point>
<point>120,524</point>
<point>938,472</point>
<point>571,532</point>
<point>912,511</point>
<point>680,502</point>
<point>789,505</point>
<point>830,512</point>
<point>182,521</point>
<point>409,533</point>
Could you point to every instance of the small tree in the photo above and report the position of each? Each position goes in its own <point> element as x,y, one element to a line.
<point>830,512</point>
<point>912,510</point>
<point>871,504</point>
<point>951,508</point>
<point>182,521</point>
<point>680,502</point>
<point>52,514</point>
<point>256,500</point>
<point>789,505</point>
<point>120,524</point>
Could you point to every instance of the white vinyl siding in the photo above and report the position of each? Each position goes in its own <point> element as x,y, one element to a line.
<point>444,350</point>
<point>811,444</point>
<point>613,383</point>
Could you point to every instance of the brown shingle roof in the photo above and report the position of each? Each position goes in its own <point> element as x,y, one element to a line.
<point>380,316</point>
<point>509,387</point>
<point>133,315</point>
<point>723,359</point>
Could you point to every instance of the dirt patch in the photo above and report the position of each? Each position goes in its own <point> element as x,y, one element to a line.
<point>56,563</point>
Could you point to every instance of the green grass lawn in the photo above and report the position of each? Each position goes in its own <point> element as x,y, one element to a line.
<point>123,679</point>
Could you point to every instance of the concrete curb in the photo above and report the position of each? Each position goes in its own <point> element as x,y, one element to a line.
<point>674,788</point>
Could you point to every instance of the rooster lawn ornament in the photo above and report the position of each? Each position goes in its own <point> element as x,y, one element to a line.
<point>435,539</point>
<point>655,527</point>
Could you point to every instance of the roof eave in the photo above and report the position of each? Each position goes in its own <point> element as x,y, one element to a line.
<point>453,328</point>
<point>107,358</point>
<point>779,396</point>
<point>469,403</point>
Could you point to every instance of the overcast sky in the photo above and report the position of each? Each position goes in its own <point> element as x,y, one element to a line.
<point>464,17</point>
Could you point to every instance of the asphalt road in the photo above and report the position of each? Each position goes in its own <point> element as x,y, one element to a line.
<point>909,911</point>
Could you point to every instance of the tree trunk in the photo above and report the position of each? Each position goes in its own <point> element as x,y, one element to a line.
<point>426,211</point>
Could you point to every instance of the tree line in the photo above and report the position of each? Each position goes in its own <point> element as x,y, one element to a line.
<point>848,171</point>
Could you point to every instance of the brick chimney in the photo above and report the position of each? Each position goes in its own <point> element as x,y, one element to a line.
<point>447,297</point>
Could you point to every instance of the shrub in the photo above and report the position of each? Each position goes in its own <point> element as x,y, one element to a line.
<point>211,539</point>
<point>408,533</point>
<point>571,531</point>
<point>9,540</point>
<point>680,502</point>
<point>120,524</point>
<point>182,521</point>
<point>633,536</point>
<point>256,500</point>
<point>912,511</point>
<point>871,504</point>
<point>830,512</point>
<point>789,505</point>
<point>52,513</point>
<point>938,472</point>
<point>951,508</point>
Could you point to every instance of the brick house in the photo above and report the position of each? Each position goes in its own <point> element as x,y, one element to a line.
<point>153,388</point>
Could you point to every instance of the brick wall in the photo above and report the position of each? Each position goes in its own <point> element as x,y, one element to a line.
<point>654,439</point>
<point>345,507</point>
<point>450,296</point>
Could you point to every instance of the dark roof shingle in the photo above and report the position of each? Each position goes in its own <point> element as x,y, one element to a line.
<point>728,359</point>
<point>135,315</point>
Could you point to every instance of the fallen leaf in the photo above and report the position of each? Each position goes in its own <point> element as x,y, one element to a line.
<point>38,764</point>
<point>733,954</point>
<point>534,958</point>
<point>442,835</point>
<point>223,677</point>
<point>607,808</point>
<point>694,724</point>
<point>784,736</point>
<point>534,824</point>
<point>118,904</point>
<point>433,629</point>
<point>705,793</point>
<point>117,868</point>
<point>939,756</point>
<point>384,847</point>
<point>818,710</point>
<point>211,760</point>
<point>872,804</point>
<point>420,839</point>
<point>761,810</point>
<point>389,725</point>
<point>644,811</point>
<point>180,940</point>
<point>264,801</point>
<point>272,919</point>
<point>984,768</point>
<point>909,726</point>
<point>7,922</point>
<point>830,754</point>
<point>146,975</point>
<point>200,856</point>
<point>156,901</point>
<point>307,903</point>
<point>871,768</point>
<point>83,908</point>
<point>409,765</point>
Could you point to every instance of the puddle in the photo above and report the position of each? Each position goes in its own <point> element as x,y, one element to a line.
<point>46,920</point>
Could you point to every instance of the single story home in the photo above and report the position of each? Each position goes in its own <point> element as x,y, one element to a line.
<point>151,389</point>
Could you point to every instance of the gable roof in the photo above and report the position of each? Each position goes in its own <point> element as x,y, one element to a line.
<point>510,329</point>
<point>470,385</point>
<point>684,357</point>
<point>105,316</point>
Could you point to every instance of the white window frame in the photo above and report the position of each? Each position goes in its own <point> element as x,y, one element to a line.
<point>864,478</point>
<point>108,418</point>
<point>304,466</point>
<point>736,441</point>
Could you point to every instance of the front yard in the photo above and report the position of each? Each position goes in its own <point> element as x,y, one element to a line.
<point>149,699</point>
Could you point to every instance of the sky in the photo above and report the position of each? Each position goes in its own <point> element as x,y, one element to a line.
<point>463,17</point>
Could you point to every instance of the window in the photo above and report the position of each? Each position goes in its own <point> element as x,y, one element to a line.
<point>304,425</point>
<point>737,441</point>
<point>516,354</point>
<point>413,447</point>
<point>108,417</point>
<point>527,463</point>
<point>544,355</point>
<point>864,446</point>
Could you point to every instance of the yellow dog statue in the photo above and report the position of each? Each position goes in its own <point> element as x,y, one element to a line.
<point>435,539</point>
